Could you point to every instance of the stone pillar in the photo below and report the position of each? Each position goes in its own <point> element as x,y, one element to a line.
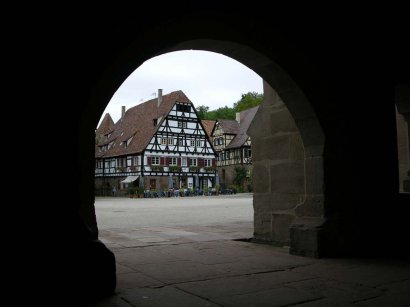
<point>403,135</point>
<point>278,168</point>
<point>403,151</point>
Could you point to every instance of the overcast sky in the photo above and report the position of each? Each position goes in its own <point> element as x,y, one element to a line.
<point>207,78</point>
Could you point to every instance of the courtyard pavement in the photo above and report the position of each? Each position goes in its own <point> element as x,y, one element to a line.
<point>214,264</point>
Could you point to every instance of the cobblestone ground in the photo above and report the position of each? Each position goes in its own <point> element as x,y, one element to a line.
<point>185,252</point>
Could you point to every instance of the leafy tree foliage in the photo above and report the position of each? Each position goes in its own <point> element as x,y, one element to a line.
<point>247,101</point>
<point>202,111</point>
<point>239,175</point>
<point>225,112</point>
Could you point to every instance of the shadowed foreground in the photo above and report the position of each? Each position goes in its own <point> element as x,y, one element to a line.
<point>212,266</point>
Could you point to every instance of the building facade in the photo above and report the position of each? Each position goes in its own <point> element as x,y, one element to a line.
<point>158,145</point>
<point>233,147</point>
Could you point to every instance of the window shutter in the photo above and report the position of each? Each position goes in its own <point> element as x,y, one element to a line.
<point>162,161</point>
<point>213,162</point>
<point>149,160</point>
<point>179,161</point>
<point>188,162</point>
<point>200,162</point>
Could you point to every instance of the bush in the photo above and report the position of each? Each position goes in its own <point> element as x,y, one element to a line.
<point>140,191</point>
<point>131,190</point>
<point>239,175</point>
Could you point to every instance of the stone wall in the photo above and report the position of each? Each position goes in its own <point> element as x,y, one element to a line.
<point>230,175</point>
<point>403,149</point>
<point>278,169</point>
<point>403,134</point>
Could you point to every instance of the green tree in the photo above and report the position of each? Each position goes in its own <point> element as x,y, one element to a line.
<point>224,112</point>
<point>239,176</point>
<point>248,100</point>
<point>202,112</point>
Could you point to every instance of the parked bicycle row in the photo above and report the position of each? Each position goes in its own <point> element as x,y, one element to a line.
<point>187,193</point>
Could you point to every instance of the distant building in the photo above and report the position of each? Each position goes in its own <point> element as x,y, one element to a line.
<point>158,144</point>
<point>233,146</point>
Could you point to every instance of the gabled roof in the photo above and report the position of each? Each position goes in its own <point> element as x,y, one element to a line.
<point>229,126</point>
<point>208,126</point>
<point>138,124</point>
<point>246,118</point>
<point>106,126</point>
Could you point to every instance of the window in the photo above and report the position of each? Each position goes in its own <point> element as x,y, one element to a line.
<point>218,141</point>
<point>155,121</point>
<point>155,160</point>
<point>207,162</point>
<point>173,161</point>
<point>121,162</point>
<point>181,124</point>
<point>193,162</point>
<point>184,162</point>
<point>183,108</point>
<point>196,143</point>
<point>181,142</point>
<point>167,141</point>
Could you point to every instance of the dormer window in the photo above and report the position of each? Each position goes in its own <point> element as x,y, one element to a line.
<point>128,141</point>
<point>183,108</point>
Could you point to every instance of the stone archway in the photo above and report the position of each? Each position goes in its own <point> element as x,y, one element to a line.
<point>347,77</point>
<point>303,236</point>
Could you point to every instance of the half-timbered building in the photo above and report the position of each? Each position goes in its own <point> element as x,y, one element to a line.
<point>233,145</point>
<point>160,143</point>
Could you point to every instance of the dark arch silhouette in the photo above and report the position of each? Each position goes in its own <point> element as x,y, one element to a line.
<point>338,87</point>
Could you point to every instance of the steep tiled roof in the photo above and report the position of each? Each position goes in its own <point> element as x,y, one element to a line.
<point>106,126</point>
<point>229,126</point>
<point>138,124</point>
<point>208,126</point>
<point>246,118</point>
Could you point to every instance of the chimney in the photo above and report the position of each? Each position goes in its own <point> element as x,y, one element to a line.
<point>238,117</point>
<point>159,96</point>
<point>122,111</point>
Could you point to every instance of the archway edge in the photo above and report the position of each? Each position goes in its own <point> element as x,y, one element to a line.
<point>268,68</point>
